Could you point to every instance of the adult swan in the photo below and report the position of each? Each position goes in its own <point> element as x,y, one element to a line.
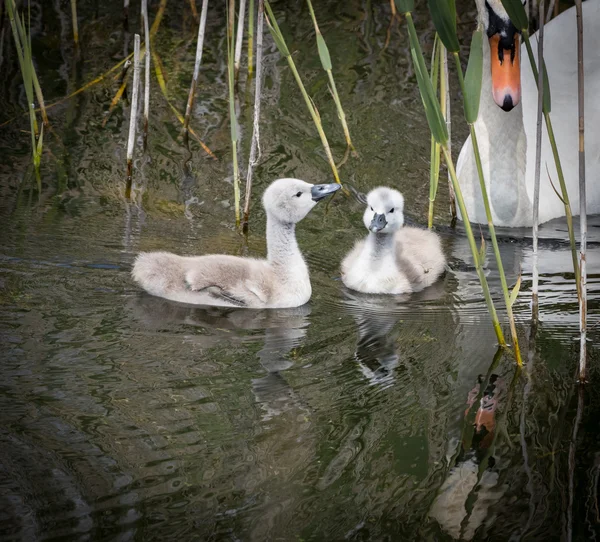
<point>506,127</point>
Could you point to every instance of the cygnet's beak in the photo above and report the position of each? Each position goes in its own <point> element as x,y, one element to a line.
<point>320,191</point>
<point>378,223</point>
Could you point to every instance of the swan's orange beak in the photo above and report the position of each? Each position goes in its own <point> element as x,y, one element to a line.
<point>506,73</point>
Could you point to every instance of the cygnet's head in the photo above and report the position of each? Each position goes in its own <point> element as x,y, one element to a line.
<point>290,200</point>
<point>385,210</point>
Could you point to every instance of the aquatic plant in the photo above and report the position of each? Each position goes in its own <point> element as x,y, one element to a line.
<point>193,86</point>
<point>232,114</point>
<point>582,202</point>
<point>536,185</point>
<point>22,39</point>
<point>250,37</point>
<point>133,112</point>
<point>471,87</point>
<point>314,113</point>
<point>146,27</point>
<point>327,66</point>
<point>255,144</point>
<point>74,20</point>
<point>239,39</point>
<point>517,15</point>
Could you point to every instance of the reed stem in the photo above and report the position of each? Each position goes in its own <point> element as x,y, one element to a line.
<point>478,264</point>
<point>582,200</point>
<point>75,26</point>
<point>536,186</point>
<point>250,37</point>
<point>314,113</point>
<point>232,113</point>
<point>146,70</point>
<point>435,150</point>
<point>445,106</point>
<point>326,61</point>
<point>490,221</point>
<point>561,178</point>
<point>255,145</point>
<point>199,48</point>
<point>133,113</point>
<point>239,39</point>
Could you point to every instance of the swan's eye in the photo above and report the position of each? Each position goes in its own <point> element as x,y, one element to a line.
<point>298,194</point>
<point>392,210</point>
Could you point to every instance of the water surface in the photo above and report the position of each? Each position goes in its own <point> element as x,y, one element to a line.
<point>127,417</point>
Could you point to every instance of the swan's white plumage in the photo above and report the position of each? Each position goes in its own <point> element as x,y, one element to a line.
<point>507,139</point>
<point>396,259</point>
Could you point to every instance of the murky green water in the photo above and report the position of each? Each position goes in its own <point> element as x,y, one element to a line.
<point>124,416</point>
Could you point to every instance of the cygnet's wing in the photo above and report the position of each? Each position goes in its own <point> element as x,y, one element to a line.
<point>242,282</point>
<point>419,254</point>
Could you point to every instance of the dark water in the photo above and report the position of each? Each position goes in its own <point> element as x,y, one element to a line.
<point>125,417</point>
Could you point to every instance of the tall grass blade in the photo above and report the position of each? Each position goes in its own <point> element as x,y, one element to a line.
<point>133,113</point>
<point>536,185</point>
<point>328,67</point>
<point>516,13</point>
<point>250,37</point>
<point>194,84</point>
<point>160,77</point>
<point>232,113</point>
<point>239,39</point>
<point>445,107</point>
<point>443,15</point>
<point>405,6</point>
<point>74,19</point>
<point>430,101</point>
<point>146,69</point>
<point>283,49</point>
<point>474,78</point>
<point>255,145</point>
<point>582,200</point>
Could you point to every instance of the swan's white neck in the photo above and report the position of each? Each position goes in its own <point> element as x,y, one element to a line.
<point>503,146</point>
<point>379,246</point>
<point>282,247</point>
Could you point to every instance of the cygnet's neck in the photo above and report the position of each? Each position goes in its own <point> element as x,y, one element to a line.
<point>379,246</point>
<point>282,247</point>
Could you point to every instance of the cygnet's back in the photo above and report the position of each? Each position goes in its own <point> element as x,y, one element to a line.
<point>392,259</point>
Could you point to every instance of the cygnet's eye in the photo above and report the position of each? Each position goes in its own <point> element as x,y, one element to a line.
<point>392,210</point>
<point>298,194</point>
<point>371,208</point>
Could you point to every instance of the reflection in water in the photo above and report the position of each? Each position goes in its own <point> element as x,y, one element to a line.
<point>283,329</point>
<point>472,486</point>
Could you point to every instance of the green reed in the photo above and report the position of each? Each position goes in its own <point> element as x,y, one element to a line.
<point>314,113</point>
<point>327,66</point>
<point>437,125</point>
<point>444,19</point>
<point>22,39</point>
<point>518,16</point>
<point>232,114</point>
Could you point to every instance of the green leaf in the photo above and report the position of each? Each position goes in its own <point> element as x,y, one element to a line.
<point>275,32</point>
<point>443,14</point>
<point>40,142</point>
<point>436,122</point>
<point>516,13</point>
<point>323,52</point>
<point>482,250</point>
<point>546,82</point>
<point>515,291</point>
<point>473,77</point>
<point>405,6</point>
